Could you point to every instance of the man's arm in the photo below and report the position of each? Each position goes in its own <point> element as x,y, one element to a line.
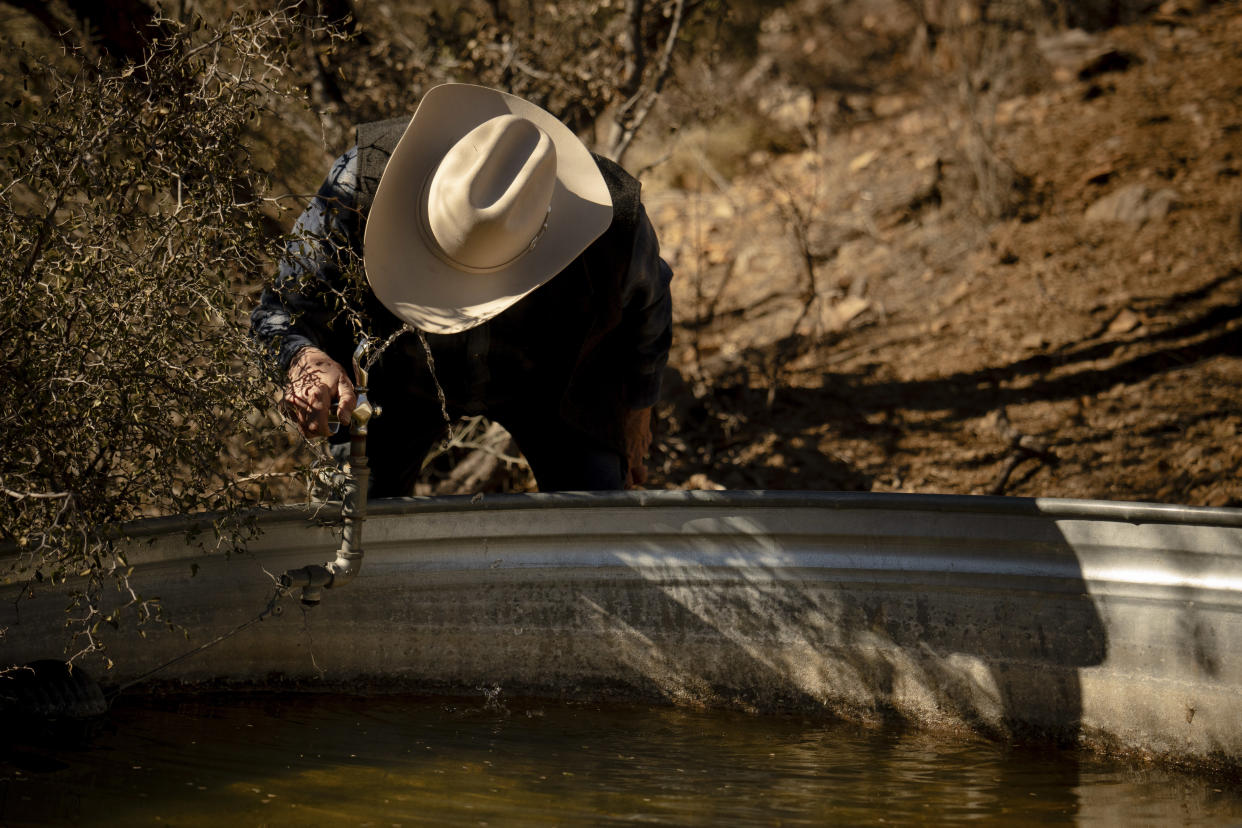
<point>295,313</point>
<point>647,321</point>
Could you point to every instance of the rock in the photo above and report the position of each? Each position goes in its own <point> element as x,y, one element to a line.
<point>913,123</point>
<point>836,316</point>
<point>1124,322</point>
<point>1182,8</point>
<point>788,107</point>
<point>1100,174</point>
<point>1226,170</point>
<point>887,106</point>
<point>863,161</point>
<point>1069,51</point>
<point>1033,342</point>
<point>1218,497</point>
<point>1134,204</point>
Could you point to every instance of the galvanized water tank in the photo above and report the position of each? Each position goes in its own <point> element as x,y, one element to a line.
<point>1116,625</point>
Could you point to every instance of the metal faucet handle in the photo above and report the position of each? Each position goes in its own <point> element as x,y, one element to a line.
<point>361,374</point>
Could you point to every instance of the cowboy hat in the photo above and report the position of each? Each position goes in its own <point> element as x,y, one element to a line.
<point>485,198</point>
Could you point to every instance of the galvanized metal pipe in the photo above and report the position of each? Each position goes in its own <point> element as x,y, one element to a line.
<point>314,578</point>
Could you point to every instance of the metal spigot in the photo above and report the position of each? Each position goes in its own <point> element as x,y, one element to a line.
<point>363,409</point>
<point>314,578</point>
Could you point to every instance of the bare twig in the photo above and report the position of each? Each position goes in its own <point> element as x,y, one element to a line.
<point>633,114</point>
<point>636,58</point>
<point>1022,447</point>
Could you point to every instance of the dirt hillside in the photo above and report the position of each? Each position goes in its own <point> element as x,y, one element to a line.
<point>866,315</point>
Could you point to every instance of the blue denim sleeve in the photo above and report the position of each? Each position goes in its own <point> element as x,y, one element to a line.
<point>296,309</point>
<point>647,316</point>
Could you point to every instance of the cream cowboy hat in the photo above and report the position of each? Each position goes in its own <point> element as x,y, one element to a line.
<point>484,199</point>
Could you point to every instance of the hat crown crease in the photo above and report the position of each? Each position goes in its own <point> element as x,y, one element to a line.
<point>488,200</point>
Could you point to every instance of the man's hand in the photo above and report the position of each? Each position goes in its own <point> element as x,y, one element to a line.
<point>315,380</point>
<point>637,444</point>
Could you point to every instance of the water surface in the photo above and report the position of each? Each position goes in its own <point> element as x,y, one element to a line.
<point>395,761</point>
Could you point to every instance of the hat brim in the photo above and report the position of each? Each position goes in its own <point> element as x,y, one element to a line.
<point>418,286</point>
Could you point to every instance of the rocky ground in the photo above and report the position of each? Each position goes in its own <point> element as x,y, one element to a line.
<point>1043,298</point>
<point>1020,274</point>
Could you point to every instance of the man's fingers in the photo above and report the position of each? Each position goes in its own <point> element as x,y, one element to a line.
<point>320,405</point>
<point>297,408</point>
<point>309,404</point>
<point>347,399</point>
<point>315,380</point>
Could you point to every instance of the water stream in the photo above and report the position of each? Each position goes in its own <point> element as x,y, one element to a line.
<point>399,760</point>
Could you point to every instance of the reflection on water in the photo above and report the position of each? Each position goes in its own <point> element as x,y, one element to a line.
<point>312,760</point>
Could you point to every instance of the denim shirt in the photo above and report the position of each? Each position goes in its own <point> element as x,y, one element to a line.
<point>484,366</point>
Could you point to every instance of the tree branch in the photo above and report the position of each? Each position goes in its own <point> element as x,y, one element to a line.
<point>628,125</point>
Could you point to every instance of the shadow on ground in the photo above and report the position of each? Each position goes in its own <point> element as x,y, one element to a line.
<point>754,423</point>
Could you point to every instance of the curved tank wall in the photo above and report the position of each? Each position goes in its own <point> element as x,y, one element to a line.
<point>1111,624</point>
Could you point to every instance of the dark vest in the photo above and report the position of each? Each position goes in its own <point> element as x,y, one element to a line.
<point>557,346</point>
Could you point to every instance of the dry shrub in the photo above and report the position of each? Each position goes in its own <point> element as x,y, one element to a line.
<point>131,220</point>
<point>984,54</point>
